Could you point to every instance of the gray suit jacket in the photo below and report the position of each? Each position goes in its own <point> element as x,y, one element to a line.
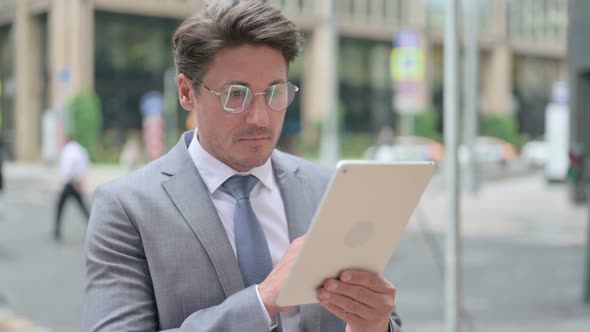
<point>158,257</point>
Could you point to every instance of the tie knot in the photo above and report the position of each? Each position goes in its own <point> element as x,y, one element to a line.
<point>240,186</point>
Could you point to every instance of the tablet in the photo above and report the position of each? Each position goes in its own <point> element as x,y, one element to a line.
<point>361,217</point>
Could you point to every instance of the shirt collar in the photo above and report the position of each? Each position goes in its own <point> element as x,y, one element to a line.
<point>214,172</point>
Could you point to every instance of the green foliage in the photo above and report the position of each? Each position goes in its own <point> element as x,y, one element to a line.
<point>309,146</point>
<point>87,121</point>
<point>425,125</point>
<point>354,145</point>
<point>502,126</point>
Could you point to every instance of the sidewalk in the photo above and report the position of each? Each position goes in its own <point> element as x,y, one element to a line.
<point>101,173</point>
<point>10,322</point>
<point>523,254</point>
<point>49,175</point>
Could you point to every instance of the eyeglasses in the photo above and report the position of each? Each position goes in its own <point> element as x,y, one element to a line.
<point>235,98</point>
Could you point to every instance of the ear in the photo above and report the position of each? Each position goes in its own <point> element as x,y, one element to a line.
<point>185,92</point>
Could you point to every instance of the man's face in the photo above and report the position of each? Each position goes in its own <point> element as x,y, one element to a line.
<point>244,140</point>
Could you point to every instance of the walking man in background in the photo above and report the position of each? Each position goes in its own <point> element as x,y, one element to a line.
<point>73,168</point>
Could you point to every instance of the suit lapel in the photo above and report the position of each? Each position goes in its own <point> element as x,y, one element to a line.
<point>190,195</point>
<point>299,211</point>
<point>298,208</point>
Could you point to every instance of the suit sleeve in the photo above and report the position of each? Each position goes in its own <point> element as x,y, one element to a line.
<point>395,323</point>
<point>119,295</point>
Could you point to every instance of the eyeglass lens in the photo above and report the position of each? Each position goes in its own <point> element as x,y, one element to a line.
<point>236,98</point>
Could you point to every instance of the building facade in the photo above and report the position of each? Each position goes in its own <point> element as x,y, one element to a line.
<point>52,49</point>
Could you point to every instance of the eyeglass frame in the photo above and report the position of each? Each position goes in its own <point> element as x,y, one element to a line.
<point>218,94</point>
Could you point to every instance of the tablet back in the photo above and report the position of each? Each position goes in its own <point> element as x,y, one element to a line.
<point>360,220</point>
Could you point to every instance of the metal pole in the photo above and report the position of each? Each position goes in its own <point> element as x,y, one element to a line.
<point>330,146</point>
<point>451,133</point>
<point>407,124</point>
<point>1,142</point>
<point>470,93</point>
<point>587,279</point>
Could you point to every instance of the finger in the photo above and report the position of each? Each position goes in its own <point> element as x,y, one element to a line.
<point>349,305</point>
<point>367,279</point>
<point>348,317</point>
<point>358,293</point>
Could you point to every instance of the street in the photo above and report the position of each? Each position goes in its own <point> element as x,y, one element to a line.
<point>523,256</point>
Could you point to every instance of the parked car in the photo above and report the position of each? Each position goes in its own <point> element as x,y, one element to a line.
<point>489,151</point>
<point>417,148</point>
<point>534,154</point>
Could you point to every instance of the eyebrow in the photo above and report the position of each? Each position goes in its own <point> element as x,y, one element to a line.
<point>248,85</point>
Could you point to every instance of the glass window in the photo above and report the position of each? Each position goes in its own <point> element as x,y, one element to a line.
<point>131,55</point>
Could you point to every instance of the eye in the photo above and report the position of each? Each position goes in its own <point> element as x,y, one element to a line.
<point>274,90</point>
<point>237,91</point>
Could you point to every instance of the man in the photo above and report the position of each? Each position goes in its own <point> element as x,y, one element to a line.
<point>182,244</point>
<point>73,167</point>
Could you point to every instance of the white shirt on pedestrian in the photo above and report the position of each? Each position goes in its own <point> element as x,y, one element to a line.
<point>265,198</point>
<point>73,163</point>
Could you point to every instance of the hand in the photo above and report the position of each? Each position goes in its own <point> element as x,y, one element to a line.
<point>363,300</point>
<point>271,286</point>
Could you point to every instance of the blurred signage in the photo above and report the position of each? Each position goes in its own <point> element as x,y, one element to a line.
<point>560,92</point>
<point>153,136</point>
<point>152,104</point>
<point>64,77</point>
<point>407,72</point>
<point>152,107</point>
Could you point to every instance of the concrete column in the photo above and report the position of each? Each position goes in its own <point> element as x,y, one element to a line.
<point>58,57</point>
<point>428,72</point>
<point>419,22</point>
<point>28,83</point>
<point>562,69</point>
<point>71,24</point>
<point>497,87</point>
<point>316,82</point>
<point>71,42</point>
<point>82,34</point>
<point>418,14</point>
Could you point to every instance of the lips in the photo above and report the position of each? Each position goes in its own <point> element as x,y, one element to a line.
<point>256,138</point>
<point>255,135</point>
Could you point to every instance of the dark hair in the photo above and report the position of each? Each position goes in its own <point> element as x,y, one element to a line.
<point>232,23</point>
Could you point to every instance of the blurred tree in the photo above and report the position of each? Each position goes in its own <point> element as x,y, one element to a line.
<point>502,126</point>
<point>425,124</point>
<point>87,121</point>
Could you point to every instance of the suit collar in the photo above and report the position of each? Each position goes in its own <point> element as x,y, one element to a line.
<point>299,211</point>
<point>178,157</point>
<point>190,195</point>
<point>292,185</point>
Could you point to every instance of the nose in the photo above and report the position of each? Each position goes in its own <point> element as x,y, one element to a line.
<point>257,114</point>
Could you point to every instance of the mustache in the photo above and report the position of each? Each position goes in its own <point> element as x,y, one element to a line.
<point>256,131</point>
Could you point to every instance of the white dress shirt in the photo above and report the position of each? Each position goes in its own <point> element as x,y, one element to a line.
<point>73,163</point>
<point>266,201</point>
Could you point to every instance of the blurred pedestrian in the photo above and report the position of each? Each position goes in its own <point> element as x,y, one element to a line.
<point>131,154</point>
<point>73,167</point>
<point>152,109</point>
